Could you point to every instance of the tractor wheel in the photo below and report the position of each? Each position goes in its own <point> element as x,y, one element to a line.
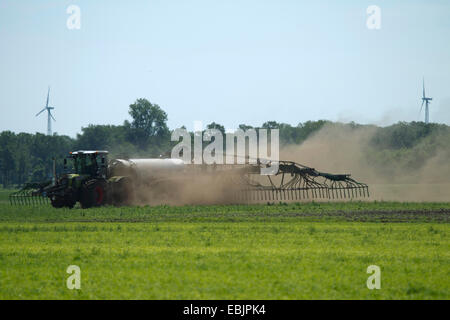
<point>69,204</point>
<point>57,202</point>
<point>60,202</point>
<point>93,194</point>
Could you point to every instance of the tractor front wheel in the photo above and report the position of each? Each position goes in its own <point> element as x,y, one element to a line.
<point>57,202</point>
<point>60,202</point>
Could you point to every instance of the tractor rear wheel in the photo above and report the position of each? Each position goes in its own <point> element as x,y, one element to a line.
<point>93,194</point>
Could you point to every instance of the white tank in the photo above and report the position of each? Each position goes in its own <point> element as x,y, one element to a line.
<point>147,169</point>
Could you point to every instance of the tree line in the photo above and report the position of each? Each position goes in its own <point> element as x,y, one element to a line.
<point>28,157</point>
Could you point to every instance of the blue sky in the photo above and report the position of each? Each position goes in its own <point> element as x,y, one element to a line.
<point>231,62</point>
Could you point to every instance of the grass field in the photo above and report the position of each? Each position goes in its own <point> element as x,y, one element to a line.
<point>295,251</point>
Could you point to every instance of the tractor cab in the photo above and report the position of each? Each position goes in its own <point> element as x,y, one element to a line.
<point>90,163</point>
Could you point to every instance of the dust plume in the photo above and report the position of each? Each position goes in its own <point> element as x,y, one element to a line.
<point>191,187</point>
<point>420,172</point>
<point>391,175</point>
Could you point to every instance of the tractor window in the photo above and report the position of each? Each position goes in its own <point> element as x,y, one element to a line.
<point>91,165</point>
<point>85,164</point>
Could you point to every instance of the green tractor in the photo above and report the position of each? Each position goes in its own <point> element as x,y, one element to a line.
<point>87,183</point>
<point>86,179</point>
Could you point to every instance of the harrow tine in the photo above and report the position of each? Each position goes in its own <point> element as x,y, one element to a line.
<point>299,182</point>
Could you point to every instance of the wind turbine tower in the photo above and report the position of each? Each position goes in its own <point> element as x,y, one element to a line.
<point>49,114</point>
<point>427,102</point>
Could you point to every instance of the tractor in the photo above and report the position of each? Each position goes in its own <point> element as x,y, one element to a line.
<point>86,183</point>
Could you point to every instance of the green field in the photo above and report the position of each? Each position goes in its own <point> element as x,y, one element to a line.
<point>295,251</point>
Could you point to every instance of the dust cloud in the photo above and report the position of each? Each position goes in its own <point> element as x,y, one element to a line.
<point>191,187</point>
<point>337,148</point>
<point>342,149</point>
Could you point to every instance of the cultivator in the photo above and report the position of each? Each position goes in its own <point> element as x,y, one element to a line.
<point>30,194</point>
<point>294,182</point>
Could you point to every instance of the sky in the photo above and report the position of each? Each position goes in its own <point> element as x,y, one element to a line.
<point>226,61</point>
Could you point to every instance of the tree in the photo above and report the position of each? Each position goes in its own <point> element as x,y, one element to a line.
<point>245,127</point>
<point>7,163</point>
<point>271,125</point>
<point>217,126</point>
<point>149,124</point>
<point>105,137</point>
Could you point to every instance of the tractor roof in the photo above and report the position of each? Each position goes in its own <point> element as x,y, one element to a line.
<point>89,152</point>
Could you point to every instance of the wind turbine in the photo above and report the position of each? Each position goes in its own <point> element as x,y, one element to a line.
<point>49,115</point>
<point>426,101</point>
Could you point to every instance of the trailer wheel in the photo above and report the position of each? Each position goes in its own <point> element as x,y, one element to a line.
<point>93,194</point>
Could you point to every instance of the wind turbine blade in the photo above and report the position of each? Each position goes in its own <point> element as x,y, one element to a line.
<point>423,101</point>
<point>52,116</point>
<point>40,112</point>
<point>48,94</point>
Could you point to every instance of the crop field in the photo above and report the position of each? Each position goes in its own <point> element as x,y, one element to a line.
<point>279,251</point>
